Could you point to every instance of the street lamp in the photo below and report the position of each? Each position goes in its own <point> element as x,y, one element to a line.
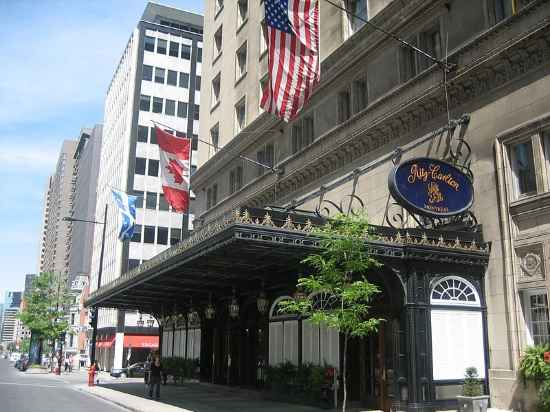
<point>99,273</point>
<point>140,322</point>
<point>150,322</point>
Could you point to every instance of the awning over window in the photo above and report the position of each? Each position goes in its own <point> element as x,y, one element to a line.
<point>141,341</point>
<point>106,343</point>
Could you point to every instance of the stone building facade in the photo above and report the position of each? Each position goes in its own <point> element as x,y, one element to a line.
<point>376,96</point>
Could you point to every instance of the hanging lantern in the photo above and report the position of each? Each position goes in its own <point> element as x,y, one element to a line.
<point>150,322</point>
<point>234,307</point>
<point>262,302</point>
<point>210,311</point>
<point>140,321</point>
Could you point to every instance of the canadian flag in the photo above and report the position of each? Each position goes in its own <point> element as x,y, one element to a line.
<point>175,156</point>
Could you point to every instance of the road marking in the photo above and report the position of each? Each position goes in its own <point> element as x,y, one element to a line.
<point>30,384</point>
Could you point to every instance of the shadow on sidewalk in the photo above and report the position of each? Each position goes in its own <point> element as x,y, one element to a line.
<point>205,397</point>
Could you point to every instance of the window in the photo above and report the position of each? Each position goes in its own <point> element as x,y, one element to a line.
<point>235,179</point>
<point>142,134</point>
<point>218,42</point>
<point>147,72</point>
<point>502,9</point>
<point>161,46</point>
<point>140,166</point>
<point>344,111</point>
<point>139,200</point>
<point>149,234</point>
<point>454,291</point>
<point>407,62</point>
<point>162,235</point>
<point>72,320</point>
<point>194,143</point>
<point>216,90</point>
<point>151,202</point>
<point>153,168</point>
<point>193,169</point>
<point>302,133</point>
<point>430,40</point>
<point>263,38</point>
<point>360,95</point>
<point>523,167</point>
<point>153,136</point>
<point>182,109</point>
<point>218,6</point>
<point>175,236</point>
<point>263,85</point>
<point>242,12</point>
<point>145,103</point>
<point>184,80</point>
<point>537,316</point>
<point>170,107</point>
<point>232,187</point>
<point>149,44</point>
<point>133,263</point>
<point>357,13</point>
<point>159,75</point>
<point>136,237</point>
<point>215,137</point>
<point>214,194</point>
<point>197,83</point>
<point>266,157</point>
<point>240,62</point>
<point>209,198</point>
<point>240,116</point>
<point>157,105</point>
<point>174,49</point>
<point>163,204</point>
<point>196,112</point>
<point>199,54</point>
<point>186,52</point>
<point>172,78</point>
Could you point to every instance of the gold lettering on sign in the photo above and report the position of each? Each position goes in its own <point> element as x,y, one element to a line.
<point>433,172</point>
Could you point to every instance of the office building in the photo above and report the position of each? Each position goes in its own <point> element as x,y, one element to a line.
<point>157,80</point>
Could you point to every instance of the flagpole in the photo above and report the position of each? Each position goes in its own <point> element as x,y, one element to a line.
<point>216,148</point>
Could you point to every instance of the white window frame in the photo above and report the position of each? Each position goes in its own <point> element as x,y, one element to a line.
<point>448,302</point>
<point>240,72</point>
<point>526,295</point>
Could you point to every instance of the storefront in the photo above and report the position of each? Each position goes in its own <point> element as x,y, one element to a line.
<point>216,295</point>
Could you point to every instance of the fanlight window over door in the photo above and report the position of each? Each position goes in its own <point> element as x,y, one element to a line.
<point>455,291</point>
<point>456,329</point>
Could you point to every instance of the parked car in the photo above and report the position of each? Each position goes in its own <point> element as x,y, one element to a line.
<point>4,355</point>
<point>22,363</point>
<point>132,371</point>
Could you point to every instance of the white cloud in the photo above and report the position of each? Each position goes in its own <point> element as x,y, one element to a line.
<point>29,157</point>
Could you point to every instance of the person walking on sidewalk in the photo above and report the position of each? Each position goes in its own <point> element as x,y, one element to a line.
<point>154,378</point>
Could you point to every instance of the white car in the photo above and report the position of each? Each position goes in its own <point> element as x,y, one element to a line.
<point>15,356</point>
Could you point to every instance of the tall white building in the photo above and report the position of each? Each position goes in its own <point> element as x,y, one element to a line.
<point>157,79</point>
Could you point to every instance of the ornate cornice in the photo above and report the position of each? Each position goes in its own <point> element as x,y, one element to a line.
<point>291,228</point>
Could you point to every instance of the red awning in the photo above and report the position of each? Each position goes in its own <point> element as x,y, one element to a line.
<point>141,341</point>
<point>105,343</point>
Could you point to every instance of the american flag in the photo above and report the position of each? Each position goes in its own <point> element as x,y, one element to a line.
<point>293,55</point>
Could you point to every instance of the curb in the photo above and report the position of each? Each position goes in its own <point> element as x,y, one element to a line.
<point>105,399</point>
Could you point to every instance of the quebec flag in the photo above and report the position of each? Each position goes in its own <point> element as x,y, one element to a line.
<point>127,208</point>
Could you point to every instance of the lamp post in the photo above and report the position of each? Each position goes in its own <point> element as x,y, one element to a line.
<point>99,273</point>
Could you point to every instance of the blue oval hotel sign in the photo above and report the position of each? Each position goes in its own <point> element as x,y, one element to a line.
<point>431,187</point>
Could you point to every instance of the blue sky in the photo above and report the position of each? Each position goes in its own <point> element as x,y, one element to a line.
<point>57,61</point>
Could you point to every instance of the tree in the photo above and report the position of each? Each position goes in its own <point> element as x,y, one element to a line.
<point>337,293</point>
<point>43,311</point>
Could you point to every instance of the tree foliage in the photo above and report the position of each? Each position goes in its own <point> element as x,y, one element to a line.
<point>44,310</point>
<point>337,292</point>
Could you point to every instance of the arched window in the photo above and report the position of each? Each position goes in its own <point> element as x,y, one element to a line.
<point>456,329</point>
<point>456,291</point>
<point>283,335</point>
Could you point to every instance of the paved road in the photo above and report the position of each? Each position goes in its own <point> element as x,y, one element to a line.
<point>38,393</point>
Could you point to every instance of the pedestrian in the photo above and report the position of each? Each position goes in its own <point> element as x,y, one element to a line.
<point>154,378</point>
<point>148,362</point>
<point>71,360</point>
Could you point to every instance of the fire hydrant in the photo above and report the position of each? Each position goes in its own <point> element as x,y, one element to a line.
<point>91,375</point>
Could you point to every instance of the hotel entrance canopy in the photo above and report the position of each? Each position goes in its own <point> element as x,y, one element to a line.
<point>245,248</point>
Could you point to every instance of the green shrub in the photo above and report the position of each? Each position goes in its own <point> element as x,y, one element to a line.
<point>472,385</point>
<point>532,365</point>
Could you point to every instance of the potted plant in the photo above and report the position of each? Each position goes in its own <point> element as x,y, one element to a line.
<point>472,399</point>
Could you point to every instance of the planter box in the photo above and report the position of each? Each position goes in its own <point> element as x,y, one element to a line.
<point>473,403</point>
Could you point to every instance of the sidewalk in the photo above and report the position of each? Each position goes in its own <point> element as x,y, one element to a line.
<point>189,397</point>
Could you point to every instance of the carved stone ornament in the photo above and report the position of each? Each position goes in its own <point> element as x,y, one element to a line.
<point>531,264</point>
